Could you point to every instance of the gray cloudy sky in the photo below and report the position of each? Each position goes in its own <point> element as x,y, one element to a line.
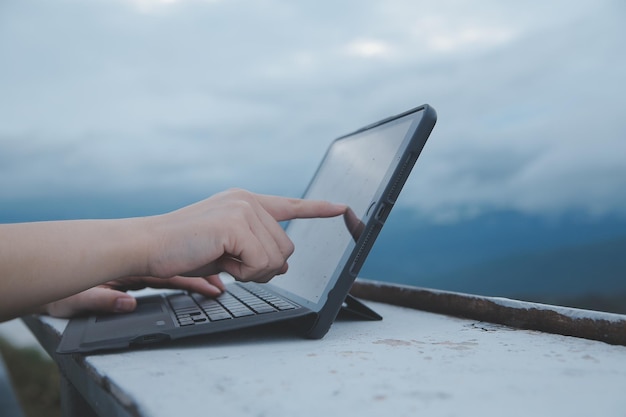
<point>122,95</point>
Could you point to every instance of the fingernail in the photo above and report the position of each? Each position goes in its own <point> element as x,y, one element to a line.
<point>124,305</point>
<point>208,291</point>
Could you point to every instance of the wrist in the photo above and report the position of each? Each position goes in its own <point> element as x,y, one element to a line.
<point>140,245</point>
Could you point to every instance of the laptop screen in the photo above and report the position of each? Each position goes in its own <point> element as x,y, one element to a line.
<point>353,172</point>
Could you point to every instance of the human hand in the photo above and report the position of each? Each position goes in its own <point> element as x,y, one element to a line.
<point>235,231</point>
<point>111,297</point>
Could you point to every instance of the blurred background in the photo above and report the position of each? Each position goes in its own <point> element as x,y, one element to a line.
<point>135,107</point>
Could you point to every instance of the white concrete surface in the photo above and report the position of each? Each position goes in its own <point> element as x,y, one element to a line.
<point>411,363</point>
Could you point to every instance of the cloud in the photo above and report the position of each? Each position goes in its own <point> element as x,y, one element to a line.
<point>204,95</point>
<point>542,116</point>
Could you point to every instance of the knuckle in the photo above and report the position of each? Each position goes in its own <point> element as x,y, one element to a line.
<point>289,248</point>
<point>239,193</point>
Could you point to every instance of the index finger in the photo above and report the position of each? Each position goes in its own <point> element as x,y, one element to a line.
<point>287,208</point>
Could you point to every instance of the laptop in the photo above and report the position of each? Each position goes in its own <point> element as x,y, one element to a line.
<point>366,170</point>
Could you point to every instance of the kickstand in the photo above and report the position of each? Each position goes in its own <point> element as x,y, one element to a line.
<point>356,309</point>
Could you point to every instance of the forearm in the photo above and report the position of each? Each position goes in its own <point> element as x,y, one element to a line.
<point>42,262</point>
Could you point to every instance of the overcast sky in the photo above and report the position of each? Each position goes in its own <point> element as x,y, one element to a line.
<point>116,96</point>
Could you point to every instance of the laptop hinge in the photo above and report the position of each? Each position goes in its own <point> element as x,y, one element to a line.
<point>354,308</point>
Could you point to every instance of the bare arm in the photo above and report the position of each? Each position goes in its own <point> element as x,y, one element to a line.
<point>235,231</point>
<point>42,262</point>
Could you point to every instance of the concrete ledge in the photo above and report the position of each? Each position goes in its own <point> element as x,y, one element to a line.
<point>411,363</point>
<point>594,325</point>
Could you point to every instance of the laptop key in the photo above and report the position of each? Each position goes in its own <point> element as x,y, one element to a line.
<point>242,313</point>
<point>217,316</point>
<point>261,309</point>
<point>283,306</point>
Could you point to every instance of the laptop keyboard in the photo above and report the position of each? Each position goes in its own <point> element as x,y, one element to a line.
<point>237,301</point>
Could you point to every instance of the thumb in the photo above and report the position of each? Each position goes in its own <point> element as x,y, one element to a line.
<point>96,299</point>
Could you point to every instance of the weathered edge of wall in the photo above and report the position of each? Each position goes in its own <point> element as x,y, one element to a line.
<point>594,325</point>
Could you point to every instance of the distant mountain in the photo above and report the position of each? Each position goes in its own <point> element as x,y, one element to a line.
<point>505,254</point>
<point>594,268</point>
<point>94,205</point>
